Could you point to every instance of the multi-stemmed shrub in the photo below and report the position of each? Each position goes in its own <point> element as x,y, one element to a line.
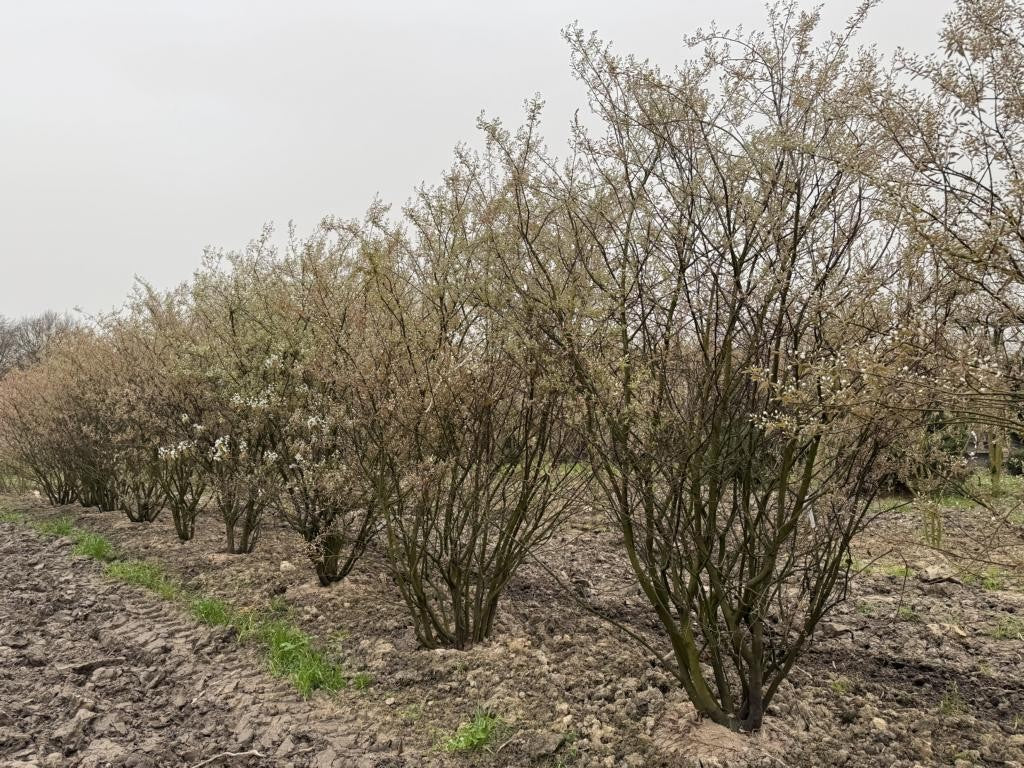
<point>468,430</point>
<point>183,486</point>
<point>226,352</point>
<point>242,490</point>
<point>327,499</point>
<point>956,116</point>
<point>315,435</point>
<point>30,450</point>
<point>101,447</point>
<point>159,396</point>
<point>33,433</point>
<point>175,396</point>
<point>751,334</point>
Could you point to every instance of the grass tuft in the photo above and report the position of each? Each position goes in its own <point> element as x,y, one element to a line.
<point>476,734</point>
<point>1009,628</point>
<point>865,608</point>
<point>147,575</point>
<point>900,572</point>
<point>954,501</point>
<point>12,517</point>
<point>95,546</point>
<point>248,625</point>
<point>841,685</point>
<point>952,702</point>
<point>279,604</point>
<point>907,613</point>
<point>212,611</point>
<point>362,681</point>
<point>62,526</point>
<point>292,655</point>
<point>992,578</point>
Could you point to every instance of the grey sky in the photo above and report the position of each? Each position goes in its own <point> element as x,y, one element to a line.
<point>135,132</point>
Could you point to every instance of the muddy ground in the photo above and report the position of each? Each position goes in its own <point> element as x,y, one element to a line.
<point>923,665</point>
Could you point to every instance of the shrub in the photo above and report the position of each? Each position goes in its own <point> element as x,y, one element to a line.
<point>142,494</point>
<point>242,492</point>
<point>183,486</point>
<point>722,296</point>
<point>35,412</point>
<point>154,332</point>
<point>758,294</point>
<point>231,335</point>
<point>465,430</point>
<point>316,437</point>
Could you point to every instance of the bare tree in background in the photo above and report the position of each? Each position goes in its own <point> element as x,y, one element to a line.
<point>23,342</point>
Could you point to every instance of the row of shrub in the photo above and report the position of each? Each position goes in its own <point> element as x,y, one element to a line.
<point>719,322</point>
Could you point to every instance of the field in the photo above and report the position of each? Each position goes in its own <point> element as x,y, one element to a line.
<point>106,661</point>
<point>695,442</point>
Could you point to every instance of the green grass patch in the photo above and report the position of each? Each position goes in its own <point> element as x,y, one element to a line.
<point>474,735</point>
<point>952,702</point>
<point>86,544</point>
<point>362,681</point>
<point>1009,485</point>
<point>992,578</point>
<point>841,685</point>
<point>411,714</point>
<point>248,625</point>
<point>290,651</point>
<point>147,575</point>
<point>1009,628</point>
<point>570,752</point>
<point>62,526</point>
<point>293,655</point>
<point>899,571</point>
<point>894,571</point>
<point>95,546</point>
<point>865,608</point>
<point>954,502</point>
<point>279,605</point>
<point>212,611</point>
<point>907,613</point>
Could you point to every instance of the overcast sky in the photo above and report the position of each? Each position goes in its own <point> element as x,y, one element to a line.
<point>135,132</point>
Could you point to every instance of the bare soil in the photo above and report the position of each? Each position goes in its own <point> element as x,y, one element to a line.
<point>920,667</point>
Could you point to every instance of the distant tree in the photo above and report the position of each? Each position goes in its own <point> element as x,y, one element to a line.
<point>23,342</point>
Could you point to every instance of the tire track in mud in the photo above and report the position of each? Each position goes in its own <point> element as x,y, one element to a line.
<point>95,674</point>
